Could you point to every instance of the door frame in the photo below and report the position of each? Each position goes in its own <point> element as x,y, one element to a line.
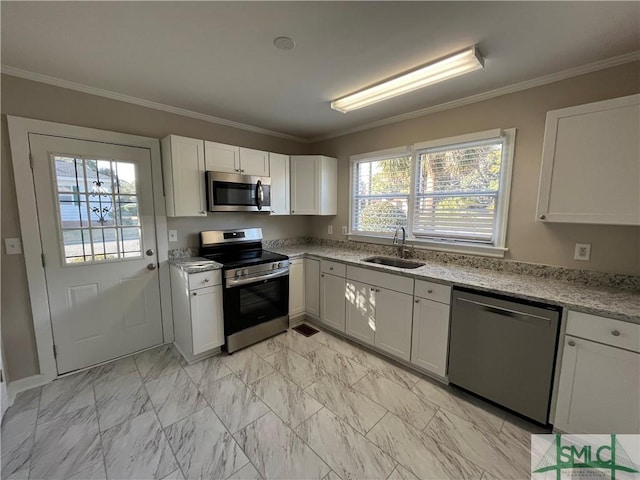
<point>19,130</point>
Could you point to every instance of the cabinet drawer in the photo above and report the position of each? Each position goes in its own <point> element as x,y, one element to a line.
<point>433,291</point>
<point>380,279</point>
<point>604,330</point>
<point>334,268</point>
<point>204,279</point>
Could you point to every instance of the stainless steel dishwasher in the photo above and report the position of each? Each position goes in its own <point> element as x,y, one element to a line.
<point>504,350</point>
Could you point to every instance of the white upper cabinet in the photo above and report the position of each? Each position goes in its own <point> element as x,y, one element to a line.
<point>183,166</point>
<point>314,183</point>
<point>591,164</point>
<point>254,162</point>
<point>220,157</point>
<point>280,184</point>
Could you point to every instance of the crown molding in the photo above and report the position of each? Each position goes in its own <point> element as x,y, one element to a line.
<point>516,87</point>
<point>59,82</point>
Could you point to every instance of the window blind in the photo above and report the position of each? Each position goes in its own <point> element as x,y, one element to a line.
<point>380,194</point>
<point>456,191</point>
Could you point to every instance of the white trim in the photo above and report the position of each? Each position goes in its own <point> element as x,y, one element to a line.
<point>19,129</point>
<point>382,154</point>
<point>497,92</point>
<point>79,87</point>
<point>449,247</point>
<point>468,137</point>
<point>25,384</point>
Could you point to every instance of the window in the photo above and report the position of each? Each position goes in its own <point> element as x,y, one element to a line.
<point>97,209</point>
<point>449,194</point>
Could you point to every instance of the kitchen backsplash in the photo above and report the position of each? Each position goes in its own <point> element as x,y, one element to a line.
<point>587,277</point>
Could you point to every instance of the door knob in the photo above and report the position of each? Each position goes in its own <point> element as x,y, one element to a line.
<point>571,343</point>
<point>149,252</point>
<point>151,266</point>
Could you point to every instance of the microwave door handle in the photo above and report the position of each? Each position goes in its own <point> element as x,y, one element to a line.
<point>259,195</point>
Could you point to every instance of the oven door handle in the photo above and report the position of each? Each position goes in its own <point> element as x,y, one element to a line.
<point>232,282</point>
<point>259,195</point>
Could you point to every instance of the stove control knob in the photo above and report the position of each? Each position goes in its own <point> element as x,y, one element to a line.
<point>238,273</point>
<point>274,266</point>
<point>245,271</point>
<point>279,264</point>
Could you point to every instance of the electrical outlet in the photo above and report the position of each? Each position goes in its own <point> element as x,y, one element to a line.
<point>13,246</point>
<point>330,230</point>
<point>582,252</point>
<point>344,230</point>
<point>173,235</point>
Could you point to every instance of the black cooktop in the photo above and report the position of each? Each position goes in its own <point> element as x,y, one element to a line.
<point>244,258</point>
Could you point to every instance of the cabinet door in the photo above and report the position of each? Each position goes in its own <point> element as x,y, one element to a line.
<point>221,158</point>
<point>361,311</point>
<point>304,185</point>
<point>254,162</point>
<point>296,287</point>
<point>280,190</point>
<point>206,318</point>
<point>598,390</point>
<point>394,316</point>
<point>430,340</point>
<point>312,287</point>
<point>591,164</point>
<point>332,302</point>
<point>183,164</point>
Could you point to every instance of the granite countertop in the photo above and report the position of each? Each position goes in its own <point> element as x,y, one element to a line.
<point>606,301</point>
<point>195,264</point>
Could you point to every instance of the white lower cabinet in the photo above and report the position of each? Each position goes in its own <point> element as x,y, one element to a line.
<point>312,288</point>
<point>599,387</point>
<point>360,311</point>
<point>197,312</point>
<point>296,288</point>
<point>332,301</point>
<point>430,339</point>
<point>393,322</point>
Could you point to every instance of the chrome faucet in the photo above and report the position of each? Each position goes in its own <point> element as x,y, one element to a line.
<point>402,250</point>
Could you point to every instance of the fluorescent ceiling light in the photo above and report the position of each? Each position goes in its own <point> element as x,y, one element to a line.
<point>448,67</point>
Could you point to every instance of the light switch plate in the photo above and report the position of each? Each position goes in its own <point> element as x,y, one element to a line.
<point>344,230</point>
<point>173,235</point>
<point>330,230</point>
<point>13,246</point>
<point>582,252</point>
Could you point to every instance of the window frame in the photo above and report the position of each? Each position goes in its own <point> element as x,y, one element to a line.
<point>495,249</point>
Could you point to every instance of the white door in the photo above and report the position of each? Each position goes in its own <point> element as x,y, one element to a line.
<point>598,390</point>
<point>280,178</point>
<point>312,287</point>
<point>394,317</point>
<point>254,162</point>
<point>219,157</point>
<point>206,318</point>
<point>304,185</point>
<point>332,302</point>
<point>430,335</point>
<point>296,288</point>
<point>95,210</point>
<point>361,311</point>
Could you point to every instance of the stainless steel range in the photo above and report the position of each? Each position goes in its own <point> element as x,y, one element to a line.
<point>256,285</point>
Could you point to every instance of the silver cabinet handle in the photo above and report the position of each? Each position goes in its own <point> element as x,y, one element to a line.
<point>615,333</point>
<point>504,311</point>
<point>377,289</point>
<point>322,275</point>
<point>149,252</point>
<point>330,268</point>
<point>571,343</point>
<point>206,280</point>
<point>542,217</point>
<point>202,212</point>
<point>430,291</point>
<point>151,266</point>
<point>417,301</point>
<point>372,289</point>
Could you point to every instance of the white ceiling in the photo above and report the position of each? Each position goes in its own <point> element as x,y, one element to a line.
<point>217,58</point>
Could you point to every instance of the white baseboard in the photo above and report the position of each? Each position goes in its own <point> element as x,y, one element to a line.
<point>24,384</point>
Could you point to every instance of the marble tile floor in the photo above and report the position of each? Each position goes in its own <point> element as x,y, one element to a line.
<point>290,407</point>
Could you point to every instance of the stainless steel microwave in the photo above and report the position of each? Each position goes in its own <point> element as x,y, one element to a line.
<point>230,192</point>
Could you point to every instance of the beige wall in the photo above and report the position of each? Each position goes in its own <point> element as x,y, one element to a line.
<point>44,102</point>
<point>614,248</point>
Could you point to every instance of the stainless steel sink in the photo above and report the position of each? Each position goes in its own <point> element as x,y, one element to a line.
<point>393,262</point>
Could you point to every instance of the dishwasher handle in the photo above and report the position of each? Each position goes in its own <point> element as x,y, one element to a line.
<point>504,311</point>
